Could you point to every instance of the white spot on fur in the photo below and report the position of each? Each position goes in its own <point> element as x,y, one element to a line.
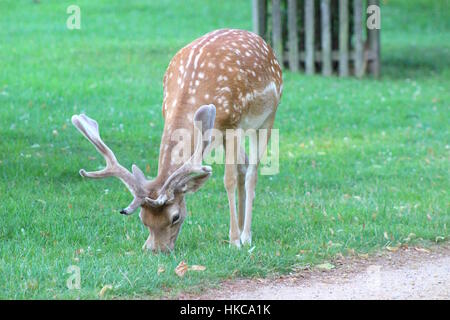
<point>191,100</point>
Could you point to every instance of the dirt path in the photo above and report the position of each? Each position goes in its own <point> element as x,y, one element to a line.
<point>412,273</point>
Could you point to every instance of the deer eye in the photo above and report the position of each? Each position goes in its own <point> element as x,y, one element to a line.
<point>175,218</point>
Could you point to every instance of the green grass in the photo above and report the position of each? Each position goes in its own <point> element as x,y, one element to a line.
<point>359,158</point>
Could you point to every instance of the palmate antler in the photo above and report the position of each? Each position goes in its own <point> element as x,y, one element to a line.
<point>189,177</point>
<point>135,180</point>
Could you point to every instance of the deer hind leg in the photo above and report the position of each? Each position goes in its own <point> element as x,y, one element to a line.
<point>242,171</point>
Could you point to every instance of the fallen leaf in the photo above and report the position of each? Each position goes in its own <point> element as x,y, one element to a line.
<point>161,270</point>
<point>181,269</point>
<point>410,236</point>
<point>422,250</point>
<point>363,255</point>
<point>439,238</point>
<point>385,235</point>
<point>32,284</point>
<point>197,268</point>
<point>104,289</point>
<point>392,249</point>
<point>325,266</point>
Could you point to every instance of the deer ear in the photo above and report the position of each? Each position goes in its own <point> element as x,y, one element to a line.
<point>194,180</point>
<point>206,114</point>
<point>205,117</point>
<point>138,174</point>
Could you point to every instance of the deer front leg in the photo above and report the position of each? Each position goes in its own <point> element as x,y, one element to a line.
<point>230,181</point>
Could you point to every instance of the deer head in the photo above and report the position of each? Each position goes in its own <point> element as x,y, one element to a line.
<point>165,213</point>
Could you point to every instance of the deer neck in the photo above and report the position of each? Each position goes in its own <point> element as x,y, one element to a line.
<point>178,122</point>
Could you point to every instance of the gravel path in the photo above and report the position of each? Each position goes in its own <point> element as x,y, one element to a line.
<point>412,273</point>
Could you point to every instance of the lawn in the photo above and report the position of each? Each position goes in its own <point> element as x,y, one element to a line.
<point>364,164</point>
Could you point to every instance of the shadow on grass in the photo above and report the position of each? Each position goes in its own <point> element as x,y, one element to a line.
<point>414,62</point>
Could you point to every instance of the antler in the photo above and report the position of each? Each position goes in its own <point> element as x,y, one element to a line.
<point>134,181</point>
<point>192,174</point>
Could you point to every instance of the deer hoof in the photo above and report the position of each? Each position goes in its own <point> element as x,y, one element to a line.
<point>235,243</point>
<point>246,238</point>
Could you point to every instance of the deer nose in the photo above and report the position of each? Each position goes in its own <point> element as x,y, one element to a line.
<point>157,249</point>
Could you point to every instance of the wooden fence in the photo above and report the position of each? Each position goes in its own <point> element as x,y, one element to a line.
<point>324,36</point>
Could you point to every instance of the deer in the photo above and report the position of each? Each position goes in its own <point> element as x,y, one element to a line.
<point>228,79</point>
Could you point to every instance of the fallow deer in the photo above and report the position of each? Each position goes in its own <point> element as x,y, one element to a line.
<point>226,79</point>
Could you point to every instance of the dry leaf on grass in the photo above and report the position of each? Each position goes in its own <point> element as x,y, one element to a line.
<point>104,289</point>
<point>181,269</point>
<point>325,266</point>
<point>161,269</point>
<point>422,250</point>
<point>197,268</point>
<point>392,249</point>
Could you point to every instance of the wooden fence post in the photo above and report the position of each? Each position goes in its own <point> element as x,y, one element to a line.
<point>343,38</point>
<point>259,17</point>
<point>373,36</point>
<point>309,37</point>
<point>293,35</point>
<point>326,37</point>
<point>331,36</point>
<point>277,40</point>
<point>358,28</point>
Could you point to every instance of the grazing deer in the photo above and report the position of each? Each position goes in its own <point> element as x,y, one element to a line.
<point>227,79</point>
